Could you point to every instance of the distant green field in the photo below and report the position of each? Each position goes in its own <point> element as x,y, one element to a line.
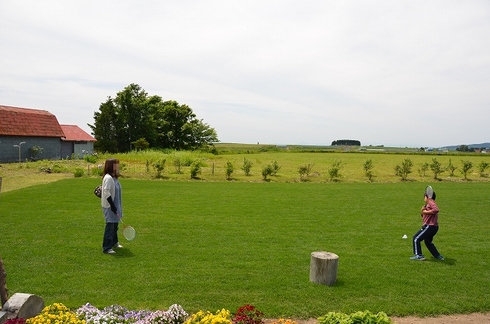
<point>140,165</point>
<point>221,244</point>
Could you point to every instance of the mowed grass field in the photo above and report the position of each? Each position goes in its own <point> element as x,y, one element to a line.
<point>221,244</point>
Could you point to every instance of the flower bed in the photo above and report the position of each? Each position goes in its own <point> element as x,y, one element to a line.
<point>88,314</point>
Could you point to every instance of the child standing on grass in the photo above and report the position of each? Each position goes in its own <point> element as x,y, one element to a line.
<point>430,226</point>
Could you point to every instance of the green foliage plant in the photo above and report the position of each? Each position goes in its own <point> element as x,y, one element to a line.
<point>147,164</point>
<point>177,165</point>
<point>159,167</point>
<point>436,168</point>
<point>404,169</point>
<point>368,167</point>
<point>247,166</point>
<point>196,168</point>
<point>267,170</point>
<point>140,144</point>
<point>482,167</point>
<point>54,168</point>
<point>275,167</point>
<point>304,171</point>
<point>467,166</point>
<point>451,168</point>
<point>35,151</point>
<point>97,171</point>
<point>78,173</point>
<point>334,171</point>
<point>229,169</point>
<point>90,158</point>
<point>354,318</point>
<point>423,169</point>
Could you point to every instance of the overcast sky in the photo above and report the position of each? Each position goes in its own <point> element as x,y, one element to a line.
<point>397,73</point>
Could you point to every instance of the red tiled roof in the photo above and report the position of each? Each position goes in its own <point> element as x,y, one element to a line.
<point>75,133</point>
<point>16,121</point>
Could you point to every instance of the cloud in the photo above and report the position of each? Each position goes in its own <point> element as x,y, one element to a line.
<point>382,72</point>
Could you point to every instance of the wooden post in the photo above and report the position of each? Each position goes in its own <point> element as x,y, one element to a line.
<point>323,268</point>
<point>3,284</point>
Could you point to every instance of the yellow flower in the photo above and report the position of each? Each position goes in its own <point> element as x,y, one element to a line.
<point>56,313</point>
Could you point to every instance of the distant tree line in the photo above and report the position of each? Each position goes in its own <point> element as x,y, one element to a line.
<point>346,142</point>
<point>135,120</point>
<point>466,148</point>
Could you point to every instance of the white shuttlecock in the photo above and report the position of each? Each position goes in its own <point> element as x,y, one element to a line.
<point>404,236</point>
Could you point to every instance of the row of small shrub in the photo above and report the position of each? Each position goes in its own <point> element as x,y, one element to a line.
<point>115,314</point>
<point>401,170</point>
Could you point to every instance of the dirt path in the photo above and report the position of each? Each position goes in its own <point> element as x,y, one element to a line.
<point>476,318</point>
<point>480,318</point>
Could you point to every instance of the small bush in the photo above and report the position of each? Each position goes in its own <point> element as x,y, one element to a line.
<point>90,158</point>
<point>436,168</point>
<point>97,171</point>
<point>159,166</point>
<point>247,166</point>
<point>196,167</point>
<point>275,167</point>
<point>78,173</point>
<point>404,169</point>
<point>304,171</point>
<point>229,169</point>
<point>423,169</point>
<point>267,170</point>
<point>368,167</point>
<point>35,151</point>
<point>482,167</point>
<point>334,171</point>
<point>357,317</point>
<point>177,165</point>
<point>451,168</point>
<point>467,166</point>
<point>58,168</point>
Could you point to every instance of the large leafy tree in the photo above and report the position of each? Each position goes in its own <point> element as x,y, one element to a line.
<point>134,116</point>
<point>178,128</point>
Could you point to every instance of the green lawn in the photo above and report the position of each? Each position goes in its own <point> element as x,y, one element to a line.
<point>212,245</point>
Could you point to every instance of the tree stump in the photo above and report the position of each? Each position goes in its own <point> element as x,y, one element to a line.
<point>323,268</point>
<point>22,305</point>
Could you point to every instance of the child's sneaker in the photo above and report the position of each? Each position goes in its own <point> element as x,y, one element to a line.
<point>417,258</point>
<point>440,257</point>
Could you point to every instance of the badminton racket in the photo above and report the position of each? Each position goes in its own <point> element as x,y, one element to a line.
<point>128,232</point>
<point>429,192</point>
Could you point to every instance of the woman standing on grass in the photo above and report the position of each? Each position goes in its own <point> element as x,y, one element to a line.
<point>430,226</point>
<point>111,205</point>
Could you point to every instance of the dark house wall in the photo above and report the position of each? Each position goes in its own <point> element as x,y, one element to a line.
<point>8,153</point>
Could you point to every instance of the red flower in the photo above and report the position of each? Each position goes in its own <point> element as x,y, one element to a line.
<point>248,314</point>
